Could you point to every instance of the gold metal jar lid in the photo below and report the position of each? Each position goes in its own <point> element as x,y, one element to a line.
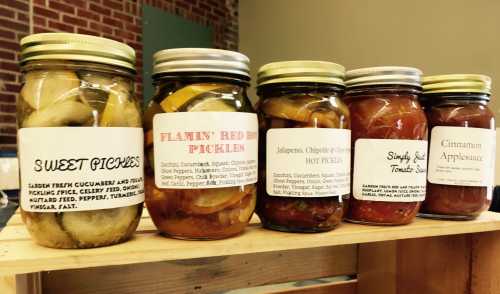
<point>457,83</point>
<point>384,75</point>
<point>295,71</point>
<point>183,60</point>
<point>76,47</point>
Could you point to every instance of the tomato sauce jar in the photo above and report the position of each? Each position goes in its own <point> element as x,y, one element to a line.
<point>305,146</point>
<point>201,144</point>
<point>462,146</point>
<point>389,129</point>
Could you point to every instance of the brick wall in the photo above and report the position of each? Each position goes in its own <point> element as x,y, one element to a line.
<point>119,20</point>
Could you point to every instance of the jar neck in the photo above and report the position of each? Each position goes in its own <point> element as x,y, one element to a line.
<point>275,90</point>
<point>201,77</point>
<point>456,99</point>
<point>383,90</point>
<point>77,66</point>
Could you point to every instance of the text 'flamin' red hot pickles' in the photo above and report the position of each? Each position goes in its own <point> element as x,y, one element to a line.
<point>389,133</point>
<point>201,144</point>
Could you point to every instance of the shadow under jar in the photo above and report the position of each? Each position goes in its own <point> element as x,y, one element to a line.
<point>80,141</point>
<point>201,144</point>
<point>389,130</point>
<point>462,146</point>
<point>304,146</point>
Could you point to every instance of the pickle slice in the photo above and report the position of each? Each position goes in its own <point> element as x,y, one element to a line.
<point>282,107</point>
<point>44,88</point>
<point>206,201</point>
<point>66,113</point>
<point>99,227</point>
<point>181,97</point>
<point>46,230</point>
<point>151,109</point>
<point>212,104</point>
<point>119,111</point>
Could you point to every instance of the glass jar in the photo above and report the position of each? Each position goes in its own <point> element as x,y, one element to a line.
<point>80,141</point>
<point>201,144</point>
<point>462,146</point>
<point>389,130</point>
<point>305,146</point>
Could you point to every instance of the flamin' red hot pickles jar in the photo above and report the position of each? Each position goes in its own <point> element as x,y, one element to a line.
<point>305,146</point>
<point>389,129</point>
<point>201,144</point>
<point>462,146</point>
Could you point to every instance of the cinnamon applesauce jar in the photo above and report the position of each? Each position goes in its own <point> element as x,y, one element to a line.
<point>80,141</point>
<point>389,131</point>
<point>305,146</point>
<point>201,144</point>
<point>462,146</point>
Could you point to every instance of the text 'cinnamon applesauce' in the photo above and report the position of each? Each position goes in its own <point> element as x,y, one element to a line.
<point>201,144</point>
<point>462,146</point>
<point>389,139</point>
<point>80,141</point>
<point>305,146</point>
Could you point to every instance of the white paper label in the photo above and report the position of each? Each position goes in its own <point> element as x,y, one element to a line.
<point>308,162</point>
<point>205,149</point>
<point>80,168</point>
<point>462,156</point>
<point>390,170</point>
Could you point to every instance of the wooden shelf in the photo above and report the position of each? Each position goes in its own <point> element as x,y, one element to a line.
<point>18,254</point>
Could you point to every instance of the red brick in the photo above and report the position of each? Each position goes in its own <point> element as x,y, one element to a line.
<point>10,87</point>
<point>6,55</point>
<point>79,3</point>
<point>123,16</point>
<point>61,7</point>
<point>14,25</point>
<point>115,5</point>
<point>8,77</point>
<point>61,26</point>
<point>7,34</point>
<point>9,45</point>
<point>23,17</point>
<point>7,139</point>
<point>101,28</point>
<point>112,22</point>
<point>41,21</point>
<point>9,108</point>
<point>8,130</point>
<point>5,12</point>
<point>20,5</point>
<point>10,98</point>
<point>124,34</point>
<point>38,29</point>
<point>133,28</point>
<point>86,32</point>
<point>7,118</point>
<point>45,12</point>
<point>88,15</point>
<point>69,20</point>
<point>99,9</point>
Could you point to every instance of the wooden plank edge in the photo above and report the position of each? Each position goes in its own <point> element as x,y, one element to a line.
<point>246,244</point>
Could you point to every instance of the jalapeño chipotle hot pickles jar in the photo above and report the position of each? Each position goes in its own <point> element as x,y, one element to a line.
<point>80,141</point>
<point>305,146</point>
<point>389,130</point>
<point>462,146</point>
<point>201,144</point>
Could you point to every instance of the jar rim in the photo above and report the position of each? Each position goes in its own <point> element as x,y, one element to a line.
<point>457,83</point>
<point>384,75</point>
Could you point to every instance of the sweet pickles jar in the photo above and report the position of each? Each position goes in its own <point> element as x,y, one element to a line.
<point>389,133</point>
<point>201,144</point>
<point>462,146</point>
<point>305,146</point>
<point>80,141</point>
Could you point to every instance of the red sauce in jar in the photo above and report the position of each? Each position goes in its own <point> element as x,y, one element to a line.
<point>381,111</point>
